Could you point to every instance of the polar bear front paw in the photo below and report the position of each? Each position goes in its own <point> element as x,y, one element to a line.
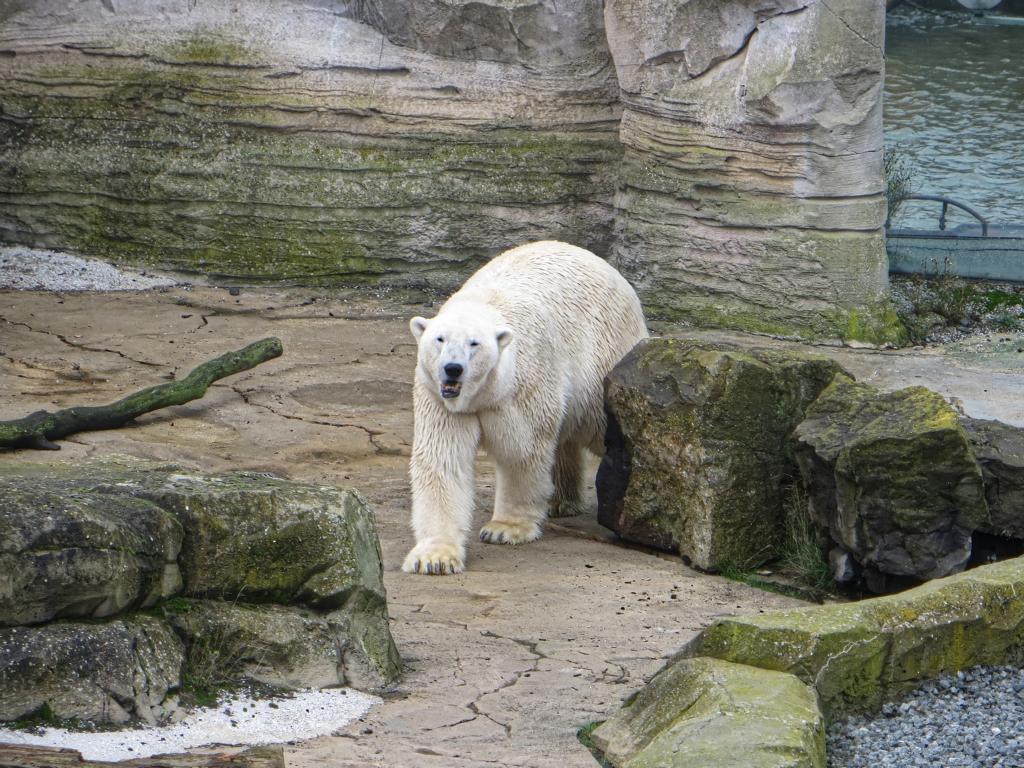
<point>510,533</point>
<point>434,558</point>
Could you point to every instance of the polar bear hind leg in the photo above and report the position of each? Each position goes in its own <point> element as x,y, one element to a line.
<point>568,479</point>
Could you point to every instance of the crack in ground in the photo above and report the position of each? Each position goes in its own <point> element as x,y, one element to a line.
<point>371,434</point>
<point>84,347</point>
<point>531,647</point>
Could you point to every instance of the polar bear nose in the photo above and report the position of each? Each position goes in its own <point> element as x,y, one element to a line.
<point>453,370</point>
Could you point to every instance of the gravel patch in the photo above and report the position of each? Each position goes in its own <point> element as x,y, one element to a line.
<point>31,269</point>
<point>974,718</point>
<point>237,721</point>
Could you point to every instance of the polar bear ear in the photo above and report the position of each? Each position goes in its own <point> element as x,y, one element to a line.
<point>504,336</point>
<point>418,325</point>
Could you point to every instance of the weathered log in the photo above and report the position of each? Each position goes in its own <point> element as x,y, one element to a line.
<point>40,429</point>
<point>17,756</point>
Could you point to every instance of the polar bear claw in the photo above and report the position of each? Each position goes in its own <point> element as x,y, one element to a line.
<point>434,559</point>
<point>496,532</point>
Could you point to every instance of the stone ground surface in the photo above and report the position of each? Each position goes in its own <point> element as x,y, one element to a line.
<point>503,663</point>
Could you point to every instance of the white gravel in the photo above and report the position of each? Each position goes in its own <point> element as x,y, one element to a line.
<point>31,269</point>
<point>237,721</point>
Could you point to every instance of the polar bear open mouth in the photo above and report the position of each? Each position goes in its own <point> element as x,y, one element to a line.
<point>450,389</point>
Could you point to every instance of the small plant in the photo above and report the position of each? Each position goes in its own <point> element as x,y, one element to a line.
<point>899,175</point>
<point>802,556</point>
<point>583,735</point>
<point>1004,321</point>
<point>215,663</point>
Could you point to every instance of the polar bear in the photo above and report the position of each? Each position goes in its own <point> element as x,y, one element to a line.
<point>514,362</point>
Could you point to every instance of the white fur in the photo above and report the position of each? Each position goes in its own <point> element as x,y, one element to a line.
<point>536,330</point>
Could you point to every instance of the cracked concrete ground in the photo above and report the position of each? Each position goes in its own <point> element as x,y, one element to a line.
<point>503,663</point>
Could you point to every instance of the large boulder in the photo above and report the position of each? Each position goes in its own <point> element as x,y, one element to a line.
<point>70,553</point>
<point>139,532</point>
<point>999,449</point>
<point>113,671</point>
<point>892,477</point>
<point>697,452</point>
<point>697,713</point>
<point>752,193</point>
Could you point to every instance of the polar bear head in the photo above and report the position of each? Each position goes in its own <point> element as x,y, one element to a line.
<point>460,353</point>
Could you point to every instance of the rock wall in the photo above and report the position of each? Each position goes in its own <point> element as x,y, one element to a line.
<point>725,155</point>
<point>751,188</point>
<point>285,140</point>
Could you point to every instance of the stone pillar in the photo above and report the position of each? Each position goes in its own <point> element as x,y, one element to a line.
<point>751,193</point>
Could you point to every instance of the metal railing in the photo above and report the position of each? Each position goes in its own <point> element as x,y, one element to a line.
<point>946,202</point>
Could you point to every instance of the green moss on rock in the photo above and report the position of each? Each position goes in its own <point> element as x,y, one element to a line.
<point>216,169</point>
<point>705,712</point>
<point>697,447</point>
<point>858,655</point>
<point>892,477</point>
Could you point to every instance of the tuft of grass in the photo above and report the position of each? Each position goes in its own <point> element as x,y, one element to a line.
<point>584,737</point>
<point>802,565</point>
<point>215,664</point>
<point>802,556</point>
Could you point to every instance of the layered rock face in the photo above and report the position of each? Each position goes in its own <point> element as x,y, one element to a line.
<point>290,141</point>
<point>751,187</point>
<point>697,447</point>
<point>405,142</point>
<point>189,582</point>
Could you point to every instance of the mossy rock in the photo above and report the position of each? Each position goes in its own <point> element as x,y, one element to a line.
<point>280,646</point>
<point>697,452</point>
<point>859,655</point>
<point>248,538</point>
<point>892,477</point>
<point>704,712</point>
<point>71,553</point>
<point>256,538</point>
<point>105,672</point>
<point>999,449</point>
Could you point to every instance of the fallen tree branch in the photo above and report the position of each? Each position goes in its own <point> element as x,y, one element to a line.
<point>40,429</point>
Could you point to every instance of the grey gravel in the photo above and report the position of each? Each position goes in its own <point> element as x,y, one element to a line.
<point>974,718</point>
<point>32,269</point>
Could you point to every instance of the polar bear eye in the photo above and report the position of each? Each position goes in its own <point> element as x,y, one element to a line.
<point>474,343</point>
<point>441,339</point>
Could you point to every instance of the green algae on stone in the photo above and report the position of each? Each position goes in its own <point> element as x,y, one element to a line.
<point>893,479</point>
<point>213,168</point>
<point>256,538</point>
<point>697,446</point>
<point>858,655</point>
<point>703,712</point>
<point>250,537</point>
